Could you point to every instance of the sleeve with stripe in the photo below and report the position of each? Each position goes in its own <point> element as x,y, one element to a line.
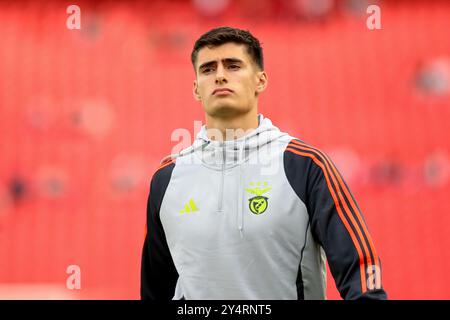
<point>158,272</point>
<point>337,225</point>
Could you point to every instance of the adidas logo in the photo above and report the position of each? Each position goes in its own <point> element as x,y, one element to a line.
<point>190,207</point>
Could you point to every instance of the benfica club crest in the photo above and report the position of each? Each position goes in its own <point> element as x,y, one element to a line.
<point>259,203</point>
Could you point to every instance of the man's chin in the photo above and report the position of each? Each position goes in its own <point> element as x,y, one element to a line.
<point>225,111</point>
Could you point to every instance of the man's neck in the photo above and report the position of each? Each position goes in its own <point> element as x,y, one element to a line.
<point>229,128</point>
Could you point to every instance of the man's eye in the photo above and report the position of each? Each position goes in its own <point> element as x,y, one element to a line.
<point>206,70</point>
<point>233,66</point>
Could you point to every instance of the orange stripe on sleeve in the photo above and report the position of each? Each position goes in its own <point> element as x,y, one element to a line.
<point>337,185</point>
<point>351,200</point>
<point>340,213</point>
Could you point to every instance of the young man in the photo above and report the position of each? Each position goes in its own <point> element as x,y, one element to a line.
<point>249,212</point>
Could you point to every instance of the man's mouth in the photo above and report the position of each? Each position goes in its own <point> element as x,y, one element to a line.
<point>222,91</point>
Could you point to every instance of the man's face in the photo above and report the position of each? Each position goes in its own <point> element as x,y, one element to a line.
<point>228,81</point>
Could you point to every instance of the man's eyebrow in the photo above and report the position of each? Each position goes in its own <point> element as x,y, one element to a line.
<point>231,60</point>
<point>227,60</point>
<point>206,64</point>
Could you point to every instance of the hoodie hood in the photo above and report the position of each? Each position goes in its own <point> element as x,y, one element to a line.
<point>220,155</point>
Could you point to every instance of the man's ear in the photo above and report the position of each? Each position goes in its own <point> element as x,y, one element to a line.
<point>262,81</point>
<point>195,91</point>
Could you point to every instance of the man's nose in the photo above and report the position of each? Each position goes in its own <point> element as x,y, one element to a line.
<point>220,75</point>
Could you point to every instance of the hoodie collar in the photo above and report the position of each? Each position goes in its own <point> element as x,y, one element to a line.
<point>226,154</point>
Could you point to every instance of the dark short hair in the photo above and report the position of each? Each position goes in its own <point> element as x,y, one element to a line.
<point>222,35</point>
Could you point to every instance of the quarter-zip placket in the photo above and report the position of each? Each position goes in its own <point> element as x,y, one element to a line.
<point>222,180</point>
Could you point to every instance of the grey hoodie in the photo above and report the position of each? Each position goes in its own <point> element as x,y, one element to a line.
<point>254,218</point>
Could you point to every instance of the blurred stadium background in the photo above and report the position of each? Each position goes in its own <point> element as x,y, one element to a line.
<point>86,115</point>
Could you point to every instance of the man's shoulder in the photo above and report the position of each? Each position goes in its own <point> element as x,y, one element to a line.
<point>163,170</point>
<point>299,153</point>
<point>301,148</point>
